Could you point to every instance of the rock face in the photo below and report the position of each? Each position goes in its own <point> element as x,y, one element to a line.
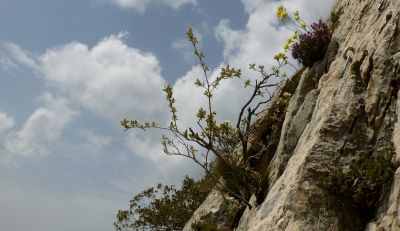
<point>215,209</point>
<point>332,120</point>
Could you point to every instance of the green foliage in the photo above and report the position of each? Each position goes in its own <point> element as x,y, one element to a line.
<point>212,139</point>
<point>361,185</point>
<point>238,178</point>
<point>334,18</point>
<point>164,207</point>
<point>279,111</point>
<point>206,226</point>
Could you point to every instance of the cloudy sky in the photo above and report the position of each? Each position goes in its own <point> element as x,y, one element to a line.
<point>71,70</point>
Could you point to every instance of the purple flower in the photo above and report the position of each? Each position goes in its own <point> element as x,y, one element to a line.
<point>312,46</point>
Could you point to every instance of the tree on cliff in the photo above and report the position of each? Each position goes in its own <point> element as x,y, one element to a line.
<point>223,149</point>
<point>164,208</point>
<point>211,139</point>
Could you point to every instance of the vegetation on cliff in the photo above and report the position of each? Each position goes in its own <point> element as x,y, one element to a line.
<point>212,140</point>
<point>222,148</point>
<point>164,207</point>
<point>360,186</point>
<point>309,43</point>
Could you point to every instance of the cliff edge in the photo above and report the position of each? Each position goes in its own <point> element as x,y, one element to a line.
<point>335,117</point>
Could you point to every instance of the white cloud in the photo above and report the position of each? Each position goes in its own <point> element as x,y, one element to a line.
<point>142,5</point>
<point>229,38</point>
<point>110,79</point>
<point>148,146</point>
<point>42,128</point>
<point>185,48</point>
<point>113,78</point>
<point>95,139</point>
<point>93,144</point>
<point>6,122</point>
<point>20,55</point>
<point>6,63</point>
<point>113,81</point>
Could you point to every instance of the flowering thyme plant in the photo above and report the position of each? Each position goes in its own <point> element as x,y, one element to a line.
<point>308,44</point>
<point>312,45</point>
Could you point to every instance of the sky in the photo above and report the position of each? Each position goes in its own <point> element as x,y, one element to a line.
<point>71,70</point>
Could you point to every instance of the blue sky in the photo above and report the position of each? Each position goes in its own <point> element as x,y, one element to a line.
<point>71,70</point>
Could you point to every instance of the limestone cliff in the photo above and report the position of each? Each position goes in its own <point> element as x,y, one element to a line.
<point>333,118</point>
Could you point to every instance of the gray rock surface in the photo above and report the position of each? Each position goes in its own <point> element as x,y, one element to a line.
<point>331,122</point>
<point>215,209</point>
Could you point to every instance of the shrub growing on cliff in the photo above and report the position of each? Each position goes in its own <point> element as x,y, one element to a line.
<point>334,18</point>
<point>164,207</point>
<point>312,46</point>
<point>308,44</point>
<point>362,184</point>
<point>206,226</point>
<point>218,140</point>
<point>240,179</point>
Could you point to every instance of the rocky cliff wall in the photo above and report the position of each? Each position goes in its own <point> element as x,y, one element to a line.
<point>333,119</point>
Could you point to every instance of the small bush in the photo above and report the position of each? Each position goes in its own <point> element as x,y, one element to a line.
<point>308,44</point>
<point>240,179</point>
<point>205,226</point>
<point>334,19</point>
<point>312,45</point>
<point>164,207</point>
<point>362,184</point>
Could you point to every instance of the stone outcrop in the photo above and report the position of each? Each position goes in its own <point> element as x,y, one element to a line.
<point>333,119</point>
<point>215,209</point>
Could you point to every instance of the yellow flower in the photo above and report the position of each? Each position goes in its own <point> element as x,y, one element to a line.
<point>297,18</point>
<point>286,47</point>
<point>303,25</point>
<point>294,36</point>
<point>281,13</point>
<point>284,15</point>
<point>280,55</point>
